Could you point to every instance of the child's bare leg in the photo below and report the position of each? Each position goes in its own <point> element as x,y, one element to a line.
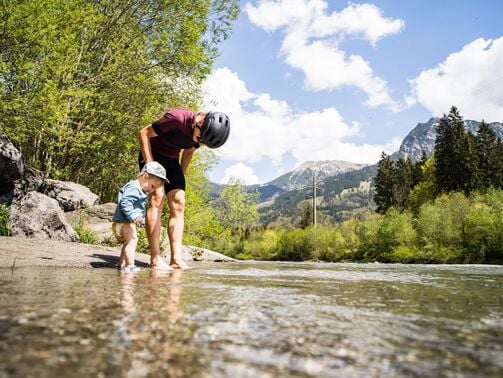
<point>129,246</point>
<point>122,259</point>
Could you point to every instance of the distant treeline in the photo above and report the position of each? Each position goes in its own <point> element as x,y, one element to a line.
<point>453,228</point>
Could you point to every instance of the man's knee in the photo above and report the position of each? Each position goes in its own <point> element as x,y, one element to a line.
<point>177,201</point>
<point>156,200</point>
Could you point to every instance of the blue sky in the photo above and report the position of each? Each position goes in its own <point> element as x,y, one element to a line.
<point>336,80</point>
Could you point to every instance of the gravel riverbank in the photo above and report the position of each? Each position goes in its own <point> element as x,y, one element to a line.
<point>23,252</point>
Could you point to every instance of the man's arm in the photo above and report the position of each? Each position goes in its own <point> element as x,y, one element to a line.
<point>186,158</point>
<point>144,136</point>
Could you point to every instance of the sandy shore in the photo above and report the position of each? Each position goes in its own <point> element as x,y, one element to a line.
<point>22,252</point>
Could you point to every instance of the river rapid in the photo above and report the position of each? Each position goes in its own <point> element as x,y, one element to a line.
<point>253,319</point>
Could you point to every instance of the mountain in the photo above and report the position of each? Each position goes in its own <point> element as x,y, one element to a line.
<point>338,198</point>
<point>422,138</point>
<point>302,176</point>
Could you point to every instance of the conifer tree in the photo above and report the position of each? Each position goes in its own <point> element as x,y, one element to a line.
<point>488,148</point>
<point>417,169</point>
<point>384,184</point>
<point>455,158</point>
<point>402,183</point>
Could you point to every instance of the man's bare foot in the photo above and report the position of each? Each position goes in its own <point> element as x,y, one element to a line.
<point>158,262</point>
<point>179,264</point>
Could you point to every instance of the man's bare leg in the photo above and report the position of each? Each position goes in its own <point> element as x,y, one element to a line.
<point>176,203</point>
<point>153,228</point>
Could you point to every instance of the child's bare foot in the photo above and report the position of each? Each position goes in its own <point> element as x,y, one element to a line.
<point>159,263</point>
<point>179,264</point>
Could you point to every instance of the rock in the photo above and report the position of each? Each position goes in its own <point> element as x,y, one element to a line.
<point>70,196</point>
<point>97,218</point>
<point>190,253</point>
<point>32,181</point>
<point>11,167</point>
<point>38,216</point>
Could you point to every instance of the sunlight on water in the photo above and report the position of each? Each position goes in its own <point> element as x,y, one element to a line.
<point>253,320</point>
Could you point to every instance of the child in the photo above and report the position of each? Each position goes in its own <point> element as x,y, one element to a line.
<point>130,212</point>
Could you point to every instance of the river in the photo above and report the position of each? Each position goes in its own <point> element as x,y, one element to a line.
<point>253,319</point>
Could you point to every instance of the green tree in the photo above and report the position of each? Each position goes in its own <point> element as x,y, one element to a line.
<point>455,159</point>
<point>488,147</point>
<point>384,184</point>
<point>202,225</point>
<point>402,183</point>
<point>307,216</point>
<point>417,170</point>
<point>236,207</point>
<point>79,78</point>
<point>425,190</point>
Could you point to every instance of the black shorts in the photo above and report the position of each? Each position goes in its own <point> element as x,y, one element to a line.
<point>173,169</point>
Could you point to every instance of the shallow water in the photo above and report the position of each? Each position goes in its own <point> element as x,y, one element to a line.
<point>253,320</point>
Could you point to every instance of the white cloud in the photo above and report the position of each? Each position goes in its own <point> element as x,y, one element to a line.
<point>311,43</point>
<point>470,79</point>
<point>266,128</point>
<point>242,172</point>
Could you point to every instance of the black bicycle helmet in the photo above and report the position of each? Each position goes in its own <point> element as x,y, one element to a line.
<point>215,130</point>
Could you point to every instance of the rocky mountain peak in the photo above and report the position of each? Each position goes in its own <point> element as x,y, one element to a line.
<point>422,137</point>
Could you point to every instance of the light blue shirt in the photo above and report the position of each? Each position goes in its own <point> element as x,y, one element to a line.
<point>131,203</point>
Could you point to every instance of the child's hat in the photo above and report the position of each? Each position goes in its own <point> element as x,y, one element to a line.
<point>156,169</point>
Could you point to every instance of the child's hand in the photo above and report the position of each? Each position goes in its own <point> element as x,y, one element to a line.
<point>140,222</point>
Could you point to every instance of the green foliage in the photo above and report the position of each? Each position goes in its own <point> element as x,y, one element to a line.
<point>490,160</point>
<point>453,228</point>
<point>424,190</point>
<point>455,157</point>
<point>78,78</point>
<point>384,184</point>
<point>4,220</point>
<point>441,224</point>
<point>294,245</point>
<point>202,227</point>
<point>236,207</point>
<point>84,232</point>
<point>393,230</point>
<point>394,182</point>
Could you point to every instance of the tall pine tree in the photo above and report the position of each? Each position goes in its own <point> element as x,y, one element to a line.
<point>488,148</point>
<point>402,183</point>
<point>455,158</point>
<point>384,184</point>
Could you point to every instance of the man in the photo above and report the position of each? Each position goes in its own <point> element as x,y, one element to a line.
<point>179,129</point>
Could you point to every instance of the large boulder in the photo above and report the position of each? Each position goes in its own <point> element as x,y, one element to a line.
<point>97,218</point>
<point>11,167</point>
<point>32,181</point>
<point>70,195</point>
<point>38,216</point>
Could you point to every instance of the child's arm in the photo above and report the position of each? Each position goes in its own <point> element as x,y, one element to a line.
<point>127,205</point>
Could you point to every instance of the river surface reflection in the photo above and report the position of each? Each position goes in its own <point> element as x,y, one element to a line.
<point>253,319</point>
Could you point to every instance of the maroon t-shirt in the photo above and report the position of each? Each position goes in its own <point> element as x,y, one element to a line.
<point>174,133</point>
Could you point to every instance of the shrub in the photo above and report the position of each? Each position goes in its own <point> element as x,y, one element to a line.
<point>295,246</point>
<point>442,222</point>
<point>84,232</point>
<point>4,220</point>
